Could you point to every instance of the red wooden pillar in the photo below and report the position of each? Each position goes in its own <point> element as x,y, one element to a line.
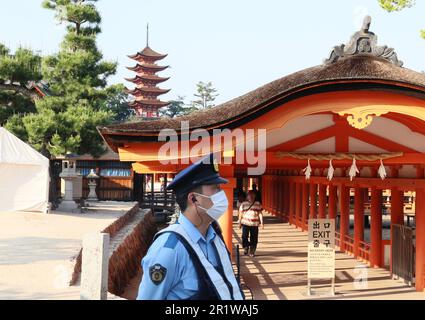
<point>271,190</point>
<point>358,218</point>
<point>291,202</point>
<point>313,201</point>
<point>275,195</point>
<point>397,206</point>
<point>376,228</point>
<point>420,240</point>
<point>304,205</point>
<point>285,197</point>
<point>264,191</point>
<point>322,201</point>
<point>226,221</point>
<point>332,201</point>
<point>268,193</point>
<point>344,204</point>
<point>298,201</point>
<point>280,196</point>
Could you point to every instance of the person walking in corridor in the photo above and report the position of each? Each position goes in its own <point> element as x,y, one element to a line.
<point>250,218</point>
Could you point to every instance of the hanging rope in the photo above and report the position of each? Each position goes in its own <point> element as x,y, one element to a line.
<point>339,156</point>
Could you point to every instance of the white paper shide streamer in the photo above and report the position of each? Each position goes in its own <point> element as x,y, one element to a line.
<point>353,170</point>
<point>382,172</point>
<point>331,171</point>
<point>307,171</point>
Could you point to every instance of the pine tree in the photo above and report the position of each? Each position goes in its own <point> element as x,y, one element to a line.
<point>66,120</point>
<point>176,108</point>
<point>206,94</point>
<point>17,72</point>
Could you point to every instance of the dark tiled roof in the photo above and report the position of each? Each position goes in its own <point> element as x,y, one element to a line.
<point>148,52</point>
<point>357,67</point>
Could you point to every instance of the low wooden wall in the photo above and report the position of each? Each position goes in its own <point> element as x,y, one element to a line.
<point>124,263</point>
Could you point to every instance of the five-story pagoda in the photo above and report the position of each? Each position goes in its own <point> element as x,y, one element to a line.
<point>146,91</point>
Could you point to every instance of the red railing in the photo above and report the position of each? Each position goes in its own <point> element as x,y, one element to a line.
<point>349,244</point>
<point>337,239</point>
<point>364,250</point>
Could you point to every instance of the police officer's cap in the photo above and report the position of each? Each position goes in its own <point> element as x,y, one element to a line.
<point>203,172</point>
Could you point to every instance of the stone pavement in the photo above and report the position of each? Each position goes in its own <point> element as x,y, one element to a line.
<point>279,271</point>
<point>37,250</point>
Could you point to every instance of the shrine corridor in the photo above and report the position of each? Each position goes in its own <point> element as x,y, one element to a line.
<point>279,270</point>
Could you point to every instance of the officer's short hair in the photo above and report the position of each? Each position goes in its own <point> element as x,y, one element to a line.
<point>181,198</point>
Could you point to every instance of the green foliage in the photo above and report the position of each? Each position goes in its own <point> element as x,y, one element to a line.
<point>396,5</point>
<point>206,94</point>
<point>66,120</point>
<point>16,70</point>
<point>176,108</point>
<point>12,103</point>
<point>22,66</point>
<point>117,104</point>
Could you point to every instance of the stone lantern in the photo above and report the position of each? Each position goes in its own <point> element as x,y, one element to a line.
<point>69,174</point>
<point>92,176</point>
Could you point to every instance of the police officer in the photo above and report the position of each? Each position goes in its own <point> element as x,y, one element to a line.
<point>189,260</point>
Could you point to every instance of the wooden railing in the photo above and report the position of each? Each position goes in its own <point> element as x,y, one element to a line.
<point>337,239</point>
<point>349,244</point>
<point>364,251</point>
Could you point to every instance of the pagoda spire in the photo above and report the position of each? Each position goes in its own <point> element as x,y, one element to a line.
<point>147,35</point>
<point>146,90</point>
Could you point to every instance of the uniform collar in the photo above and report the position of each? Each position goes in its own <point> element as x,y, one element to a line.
<point>193,231</point>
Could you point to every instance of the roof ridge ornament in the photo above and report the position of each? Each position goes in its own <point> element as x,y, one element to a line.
<point>364,42</point>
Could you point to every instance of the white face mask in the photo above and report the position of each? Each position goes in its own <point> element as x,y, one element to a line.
<point>220,204</point>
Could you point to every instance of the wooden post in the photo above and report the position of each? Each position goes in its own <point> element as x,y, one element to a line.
<point>285,197</point>
<point>420,240</point>
<point>397,206</point>
<point>313,201</point>
<point>345,214</point>
<point>322,201</point>
<point>226,221</point>
<point>376,228</point>
<point>304,205</point>
<point>332,201</point>
<point>298,203</point>
<point>291,202</point>
<point>358,219</point>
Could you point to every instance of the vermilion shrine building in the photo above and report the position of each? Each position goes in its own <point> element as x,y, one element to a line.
<point>360,103</point>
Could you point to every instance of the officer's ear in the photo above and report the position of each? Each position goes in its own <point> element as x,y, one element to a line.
<point>191,198</point>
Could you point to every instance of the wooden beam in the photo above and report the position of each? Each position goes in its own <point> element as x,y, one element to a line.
<point>400,183</point>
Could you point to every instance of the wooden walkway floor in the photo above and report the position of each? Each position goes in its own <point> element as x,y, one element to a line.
<point>279,270</point>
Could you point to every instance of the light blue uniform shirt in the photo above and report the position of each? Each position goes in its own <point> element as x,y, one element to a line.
<point>180,278</point>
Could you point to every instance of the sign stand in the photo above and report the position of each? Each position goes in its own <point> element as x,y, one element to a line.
<point>332,292</point>
<point>321,252</point>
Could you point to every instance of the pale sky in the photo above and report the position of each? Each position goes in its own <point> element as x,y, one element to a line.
<point>239,45</point>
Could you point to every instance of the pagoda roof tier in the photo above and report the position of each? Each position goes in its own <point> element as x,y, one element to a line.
<point>140,90</point>
<point>147,53</point>
<point>147,77</point>
<point>148,103</point>
<point>147,67</point>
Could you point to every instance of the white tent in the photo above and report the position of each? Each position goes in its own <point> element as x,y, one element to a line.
<point>24,176</point>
